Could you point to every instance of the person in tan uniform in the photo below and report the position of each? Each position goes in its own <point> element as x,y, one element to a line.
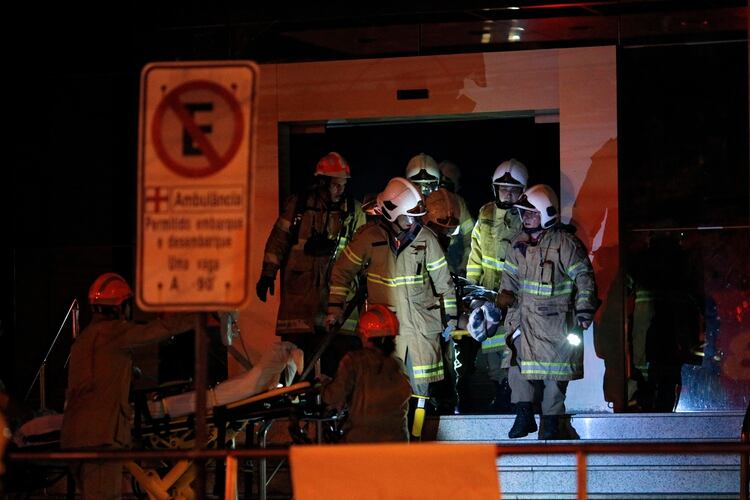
<point>310,233</point>
<point>371,383</point>
<point>424,172</point>
<point>497,224</point>
<point>549,289</point>
<point>449,217</point>
<point>97,412</point>
<point>406,270</point>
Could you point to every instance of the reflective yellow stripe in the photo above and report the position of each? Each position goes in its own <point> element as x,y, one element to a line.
<point>350,325</point>
<point>396,280</point>
<point>426,371</point>
<point>441,262</point>
<point>352,256</point>
<point>339,290</point>
<point>468,223</point>
<point>494,264</point>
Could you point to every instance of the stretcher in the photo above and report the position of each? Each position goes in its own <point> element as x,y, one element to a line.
<point>252,416</point>
<point>248,404</point>
<point>41,434</point>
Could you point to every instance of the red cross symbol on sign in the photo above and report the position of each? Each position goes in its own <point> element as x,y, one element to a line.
<point>189,147</point>
<point>156,198</point>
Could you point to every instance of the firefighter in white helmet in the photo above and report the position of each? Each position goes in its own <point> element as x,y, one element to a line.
<point>497,224</point>
<point>424,172</point>
<point>310,233</point>
<point>371,383</point>
<point>406,270</point>
<point>549,289</point>
<point>97,411</point>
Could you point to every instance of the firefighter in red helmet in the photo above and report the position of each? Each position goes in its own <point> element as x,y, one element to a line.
<point>371,383</point>
<point>97,412</point>
<point>310,233</point>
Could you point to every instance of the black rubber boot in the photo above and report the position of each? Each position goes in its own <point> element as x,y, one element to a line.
<point>524,423</point>
<point>551,427</point>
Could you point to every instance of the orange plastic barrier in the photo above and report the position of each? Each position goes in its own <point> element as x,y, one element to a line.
<point>394,471</point>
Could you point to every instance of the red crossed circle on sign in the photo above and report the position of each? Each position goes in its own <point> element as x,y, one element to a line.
<point>174,102</point>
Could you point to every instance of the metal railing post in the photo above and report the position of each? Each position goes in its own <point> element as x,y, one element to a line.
<point>581,475</point>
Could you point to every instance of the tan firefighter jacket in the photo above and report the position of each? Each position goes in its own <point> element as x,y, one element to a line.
<point>415,284</point>
<point>97,411</point>
<point>490,241</point>
<point>376,391</point>
<point>551,280</point>
<point>304,288</point>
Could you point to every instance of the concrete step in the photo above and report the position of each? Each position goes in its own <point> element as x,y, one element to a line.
<point>610,476</point>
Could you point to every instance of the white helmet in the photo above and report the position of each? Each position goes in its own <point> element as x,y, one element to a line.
<point>400,197</point>
<point>423,171</point>
<point>541,198</point>
<point>511,173</point>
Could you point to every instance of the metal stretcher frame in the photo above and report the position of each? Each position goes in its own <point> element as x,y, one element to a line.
<point>260,411</point>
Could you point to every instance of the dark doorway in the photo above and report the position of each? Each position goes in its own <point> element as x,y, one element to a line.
<point>380,151</point>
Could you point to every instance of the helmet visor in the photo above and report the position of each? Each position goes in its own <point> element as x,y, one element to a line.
<point>418,210</point>
<point>524,204</point>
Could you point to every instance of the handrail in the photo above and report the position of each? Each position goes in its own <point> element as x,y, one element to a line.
<point>580,450</point>
<point>74,307</point>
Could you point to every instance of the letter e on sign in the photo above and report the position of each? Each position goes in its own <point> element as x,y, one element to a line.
<point>196,150</point>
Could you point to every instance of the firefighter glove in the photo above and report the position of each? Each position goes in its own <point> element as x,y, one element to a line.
<point>265,285</point>
<point>448,331</point>
<point>584,318</point>
<point>334,317</point>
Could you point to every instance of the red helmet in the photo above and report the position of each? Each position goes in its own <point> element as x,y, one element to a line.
<point>333,165</point>
<point>109,289</point>
<point>378,321</point>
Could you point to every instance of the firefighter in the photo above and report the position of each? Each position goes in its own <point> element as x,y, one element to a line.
<point>406,270</point>
<point>497,224</point>
<point>549,289</point>
<point>424,172</point>
<point>371,383</point>
<point>97,412</point>
<point>442,218</point>
<point>460,247</point>
<point>666,322</point>
<point>310,233</point>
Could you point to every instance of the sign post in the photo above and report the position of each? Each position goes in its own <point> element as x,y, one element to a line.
<point>196,152</point>
<point>195,162</point>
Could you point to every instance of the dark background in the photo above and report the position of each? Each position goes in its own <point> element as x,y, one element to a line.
<point>71,114</point>
<point>376,153</point>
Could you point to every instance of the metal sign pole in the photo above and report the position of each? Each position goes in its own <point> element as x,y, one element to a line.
<point>201,362</point>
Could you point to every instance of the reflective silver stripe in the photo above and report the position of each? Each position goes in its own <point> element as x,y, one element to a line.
<point>426,371</point>
<point>441,262</point>
<point>396,281</point>
<point>339,290</point>
<point>549,368</point>
<point>491,263</point>
<point>353,257</point>
<point>492,342</point>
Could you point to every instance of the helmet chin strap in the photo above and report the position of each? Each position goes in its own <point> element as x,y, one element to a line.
<point>533,230</point>
<point>505,205</point>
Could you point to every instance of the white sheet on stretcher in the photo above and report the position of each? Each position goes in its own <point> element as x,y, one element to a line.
<point>264,376</point>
